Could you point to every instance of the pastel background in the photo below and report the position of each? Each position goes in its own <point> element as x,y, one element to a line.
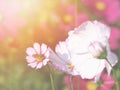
<point>23,22</point>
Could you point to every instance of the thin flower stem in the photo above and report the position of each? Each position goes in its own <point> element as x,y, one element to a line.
<point>109,63</point>
<point>51,78</point>
<point>116,83</point>
<point>71,81</point>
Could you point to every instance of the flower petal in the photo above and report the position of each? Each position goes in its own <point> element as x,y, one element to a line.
<point>91,67</point>
<point>30,51</point>
<point>112,58</point>
<point>37,47</point>
<point>57,61</point>
<point>45,61</point>
<point>33,65</point>
<point>47,53</point>
<point>62,51</point>
<point>43,48</point>
<point>39,65</point>
<point>30,59</point>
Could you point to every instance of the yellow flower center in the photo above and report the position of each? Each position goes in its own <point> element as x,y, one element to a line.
<point>91,86</point>
<point>100,5</point>
<point>70,66</point>
<point>67,18</point>
<point>39,58</point>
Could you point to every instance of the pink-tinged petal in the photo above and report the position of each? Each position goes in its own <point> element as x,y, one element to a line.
<point>33,65</point>
<point>108,67</point>
<point>47,53</point>
<point>113,59</point>
<point>30,59</point>
<point>45,61</point>
<point>55,59</point>
<point>43,48</point>
<point>39,65</point>
<point>62,50</point>
<point>30,51</point>
<point>37,47</point>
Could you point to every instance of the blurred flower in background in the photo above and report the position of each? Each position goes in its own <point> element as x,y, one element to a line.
<point>114,38</point>
<point>107,82</point>
<point>69,19</point>
<point>105,9</point>
<point>80,83</point>
<point>10,21</point>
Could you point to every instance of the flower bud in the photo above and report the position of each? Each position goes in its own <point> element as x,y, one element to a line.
<point>97,50</point>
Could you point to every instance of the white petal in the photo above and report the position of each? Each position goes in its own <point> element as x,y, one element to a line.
<point>47,53</point>
<point>30,51</point>
<point>45,61</point>
<point>90,68</point>
<point>62,51</point>
<point>97,77</point>
<point>56,60</point>
<point>39,65</point>
<point>112,58</point>
<point>33,65</point>
<point>77,44</point>
<point>37,47</point>
<point>43,48</point>
<point>108,67</point>
<point>79,59</point>
<point>104,30</point>
<point>30,59</point>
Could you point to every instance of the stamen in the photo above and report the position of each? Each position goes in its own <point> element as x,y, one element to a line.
<point>39,58</point>
<point>70,66</point>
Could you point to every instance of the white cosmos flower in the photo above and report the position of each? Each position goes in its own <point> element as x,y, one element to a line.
<point>62,59</point>
<point>86,51</point>
<point>37,56</point>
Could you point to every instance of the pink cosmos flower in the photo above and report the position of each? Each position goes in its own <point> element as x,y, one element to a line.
<point>37,56</point>
<point>107,82</point>
<point>105,9</point>
<point>85,52</point>
<point>79,83</point>
<point>68,21</point>
<point>114,38</point>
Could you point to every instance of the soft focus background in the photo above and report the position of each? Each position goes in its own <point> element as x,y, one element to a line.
<point>23,22</point>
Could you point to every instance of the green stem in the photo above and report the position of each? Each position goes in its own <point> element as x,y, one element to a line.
<point>51,78</point>
<point>71,81</point>
<point>116,82</point>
